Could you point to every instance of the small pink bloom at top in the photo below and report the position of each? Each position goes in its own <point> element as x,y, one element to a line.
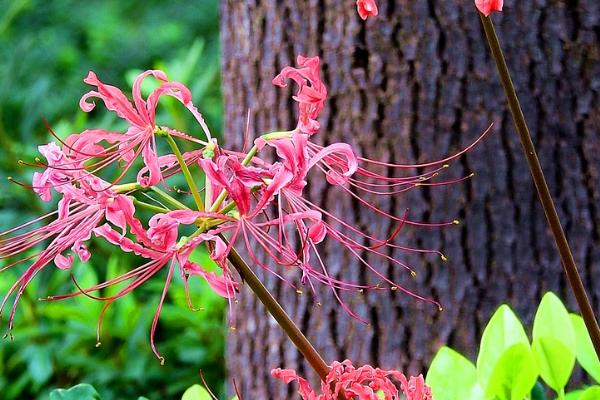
<point>367,8</point>
<point>489,6</point>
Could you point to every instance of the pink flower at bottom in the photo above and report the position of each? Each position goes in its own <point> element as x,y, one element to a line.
<point>363,383</point>
<point>489,6</point>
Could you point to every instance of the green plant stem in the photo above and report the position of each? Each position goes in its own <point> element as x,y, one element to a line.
<point>127,187</point>
<point>186,173</point>
<point>544,195</point>
<point>275,309</point>
<point>148,206</point>
<point>168,199</point>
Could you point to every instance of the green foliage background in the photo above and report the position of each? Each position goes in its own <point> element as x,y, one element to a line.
<point>46,49</point>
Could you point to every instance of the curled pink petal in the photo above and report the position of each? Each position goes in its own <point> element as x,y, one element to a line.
<point>367,8</point>
<point>311,93</point>
<point>114,99</point>
<point>489,6</point>
<point>63,262</point>
<point>221,285</point>
<point>317,232</point>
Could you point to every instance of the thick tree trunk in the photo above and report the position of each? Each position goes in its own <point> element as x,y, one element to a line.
<point>417,84</point>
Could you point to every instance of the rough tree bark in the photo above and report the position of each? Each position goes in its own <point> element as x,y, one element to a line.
<point>416,84</point>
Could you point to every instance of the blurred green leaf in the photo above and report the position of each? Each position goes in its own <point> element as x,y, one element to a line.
<point>452,376</point>
<point>553,342</point>
<point>196,392</point>
<point>592,393</point>
<point>83,391</point>
<point>586,355</point>
<point>514,375</point>
<point>502,332</point>
<point>39,363</point>
<point>575,395</point>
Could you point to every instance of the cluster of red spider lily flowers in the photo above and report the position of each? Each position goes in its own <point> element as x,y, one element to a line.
<point>365,383</point>
<point>246,199</point>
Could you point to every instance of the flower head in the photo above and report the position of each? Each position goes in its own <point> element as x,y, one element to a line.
<point>367,8</point>
<point>364,383</point>
<point>311,91</point>
<point>85,202</point>
<point>139,139</point>
<point>489,6</point>
<point>250,200</point>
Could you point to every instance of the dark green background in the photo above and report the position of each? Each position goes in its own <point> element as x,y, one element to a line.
<point>46,49</point>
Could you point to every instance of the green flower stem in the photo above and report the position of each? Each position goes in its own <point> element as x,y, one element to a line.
<point>168,199</point>
<point>186,173</point>
<point>127,187</point>
<point>275,309</point>
<point>544,195</point>
<point>147,206</point>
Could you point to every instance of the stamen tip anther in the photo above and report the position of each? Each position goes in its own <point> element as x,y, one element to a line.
<point>299,292</point>
<point>444,258</point>
<point>413,273</point>
<point>98,344</point>
<point>394,288</point>
<point>446,166</point>
<point>456,222</point>
<point>440,307</point>
<point>162,360</point>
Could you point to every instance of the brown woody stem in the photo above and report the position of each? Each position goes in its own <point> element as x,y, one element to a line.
<point>275,309</point>
<point>544,195</point>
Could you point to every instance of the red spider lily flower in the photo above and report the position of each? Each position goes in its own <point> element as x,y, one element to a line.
<point>362,383</point>
<point>228,173</point>
<point>311,91</point>
<point>257,202</point>
<point>82,207</point>
<point>141,115</point>
<point>489,6</point>
<point>312,223</point>
<point>367,8</point>
<point>163,247</point>
<point>290,237</point>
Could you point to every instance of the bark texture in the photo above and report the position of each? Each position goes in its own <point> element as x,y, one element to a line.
<point>412,85</point>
